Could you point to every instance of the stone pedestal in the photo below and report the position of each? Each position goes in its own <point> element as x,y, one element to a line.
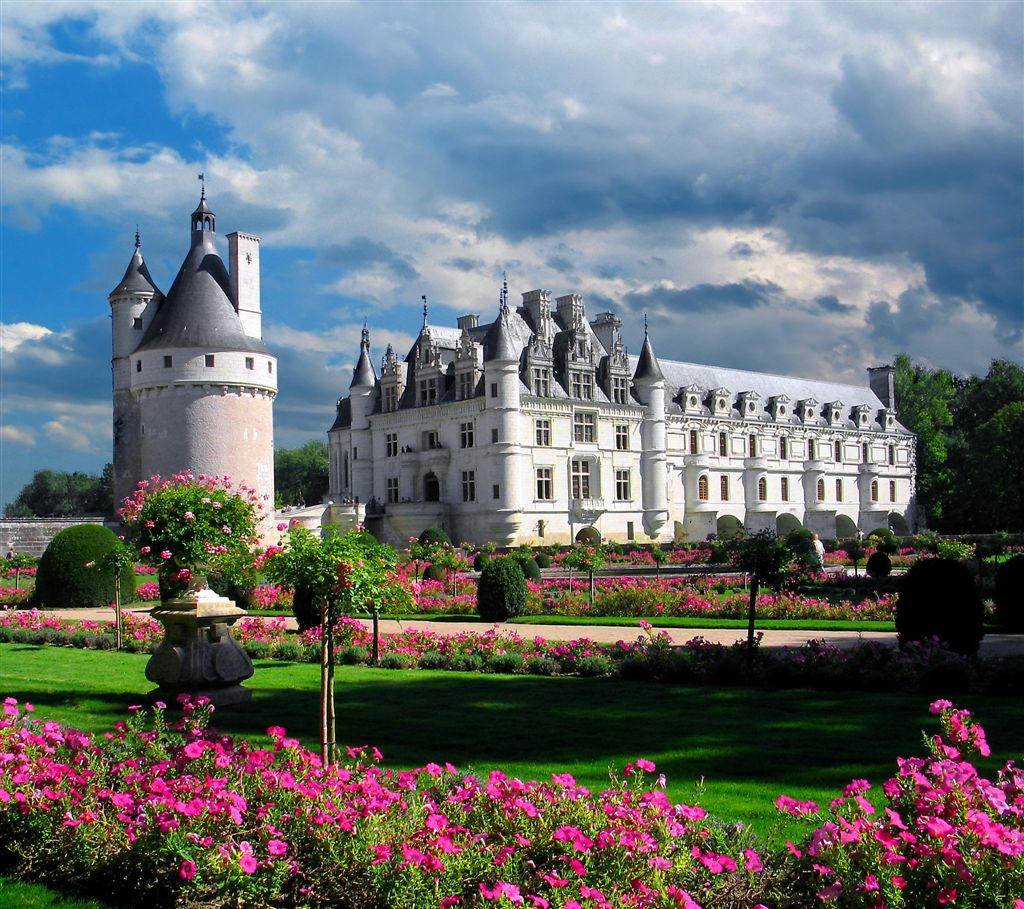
<point>198,656</point>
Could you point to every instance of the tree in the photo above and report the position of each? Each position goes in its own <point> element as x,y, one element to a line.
<point>923,399</point>
<point>301,474</point>
<point>56,493</point>
<point>996,468</point>
<point>767,559</point>
<point>586,557</point>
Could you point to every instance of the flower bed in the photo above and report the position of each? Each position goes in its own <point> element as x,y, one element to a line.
<point>153,813</point>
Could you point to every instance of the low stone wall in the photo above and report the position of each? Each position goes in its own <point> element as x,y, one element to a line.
<point>33,535</point>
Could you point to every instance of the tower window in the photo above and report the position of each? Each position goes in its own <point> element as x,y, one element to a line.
<point>865,455</point>
<point>250,362</point>
<point>210,360</point>
<point>724,484</point>
<point>138,365</point>
<point>785,489</point>
<point>694,442</point>
<point>495,491</point>
<point>874,490</point>
<point>762,490</point>
<point>821,490</point>
<point>494,435</point>
<point>752,446</point>
<point>892,454</point>
<point>839,452</point>
<point>167,362</point>
<point>839,490</point>
<point>892,490</point>
<point>783,448</point>
<point>494,389</point>
<point>137,323</point>
<point>270,366</point>
<point>702,487</point>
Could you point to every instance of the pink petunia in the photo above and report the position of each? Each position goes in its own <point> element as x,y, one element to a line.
<point>187,870</point>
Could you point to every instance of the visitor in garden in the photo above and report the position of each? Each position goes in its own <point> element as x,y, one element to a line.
<point>819,553</point>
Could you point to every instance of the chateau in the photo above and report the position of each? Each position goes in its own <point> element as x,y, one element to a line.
<point>194,384</point>
<point>539,428</point>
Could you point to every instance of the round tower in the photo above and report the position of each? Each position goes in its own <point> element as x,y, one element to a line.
<point>361,400</point>
<point>649,382</point>
<point>204,387</point>
<point>132,305</point>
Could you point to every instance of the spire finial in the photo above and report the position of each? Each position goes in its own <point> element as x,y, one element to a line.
<point>503,302</point>
<point>423,297</point>
<point>365,342</point>
<point>138,242</point>
<point>645,325</point>
<point>202,179</point>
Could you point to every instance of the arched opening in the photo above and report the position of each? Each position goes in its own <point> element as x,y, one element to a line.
<point>588,536</point>
<point>431,488</point>
<point>898,524</point>
<point>846,528</point>
<point>728,527</point>
<point>785,524</point>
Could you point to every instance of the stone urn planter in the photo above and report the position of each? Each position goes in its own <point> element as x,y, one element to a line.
<point>198,655</point>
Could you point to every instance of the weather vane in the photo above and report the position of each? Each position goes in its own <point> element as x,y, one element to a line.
<point>202,179</point>
<point>423,297</point>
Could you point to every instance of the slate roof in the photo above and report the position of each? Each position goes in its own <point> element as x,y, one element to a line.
<point>136,278</point>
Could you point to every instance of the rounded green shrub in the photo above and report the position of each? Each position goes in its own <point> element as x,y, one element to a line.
<point>878,565</point>
<point>395,661</point>
<point>506,663</point>
<point>289,651</point>
<point>434,573</point>
<point>543,560</point>
<point>884,540</point>
<point>938,599</point>
<point>433,659</point>
<point>352,655</point>
<point>541,665</point>
<point>531,570</point>
<point>433,535</point>
<point>1009,594</point>
<point>501,591</point>
<point>305,608</point>
<point>62,579</point>
<point>479,560</point>
<point>467,662</point>
<point>593,666</point>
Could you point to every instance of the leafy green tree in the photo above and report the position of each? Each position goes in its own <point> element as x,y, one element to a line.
<point>767,559</point>
<point>585,557</point>
<point>923,399</point>
<point>996,468</point>
<point>56,493</point>
<point>301,474</point>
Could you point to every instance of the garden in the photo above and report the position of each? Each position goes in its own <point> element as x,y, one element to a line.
<point>510,770</point>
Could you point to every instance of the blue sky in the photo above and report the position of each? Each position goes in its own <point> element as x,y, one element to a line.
<point>798,188</point>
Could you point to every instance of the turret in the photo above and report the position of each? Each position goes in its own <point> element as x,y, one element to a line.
<point>361,396</point>
<point>649,384</point>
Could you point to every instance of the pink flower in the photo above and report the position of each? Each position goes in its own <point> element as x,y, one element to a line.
<point>189,516</point>
<point>187,871</point>
<point>277,847</point>
<point>166,554</point>
<point>247,862</point>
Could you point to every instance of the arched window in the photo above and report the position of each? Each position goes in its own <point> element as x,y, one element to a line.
<point>762,490</point>
<point>702,487</point>
<point>821,490</point>
<point>874,490</point>
<point>431,488</point>
<point>725,489</point>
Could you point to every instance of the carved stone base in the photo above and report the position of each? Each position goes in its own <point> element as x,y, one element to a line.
<point>198,656</point>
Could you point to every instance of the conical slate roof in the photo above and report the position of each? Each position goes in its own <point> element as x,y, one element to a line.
<point>136,278</point>
<point>502,340</point>
<point>198,311</point>
<point>648,367</point>
<point>363,375</point>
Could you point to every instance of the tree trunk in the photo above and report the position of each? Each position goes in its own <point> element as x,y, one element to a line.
<point>324,682</point>
<point>332,738</point>
<point>591,588</point>
<point>375,655</point>
<point>751,612</point>
<point>117,611</point>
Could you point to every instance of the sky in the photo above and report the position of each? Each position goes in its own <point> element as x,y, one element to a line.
<point>804,188</point>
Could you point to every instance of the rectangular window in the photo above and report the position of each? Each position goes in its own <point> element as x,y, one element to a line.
<point>541,381</point>
<point>542,431</point>
<point>494,435</point>
<point>431,440</point>
<point>630,532</point>
<point>391,444</point>
<point>620,390</point>
<point>783,448</point>
<point>495,491</point>
<point>467,382</point>
<point>725,489</point>
<point>581,479</point>
<point>167,362</point>
<point>494,389</point>
<point>892,454</point>
<point>723,445</point>
<point>865,455</point>
<point>812,450</point>
<point>250,362</point>
<point>621,437</point>
<point>428,392</point>
<point>892,490</point>
<point>391,489</point>
<point>839,490</point>
<point>582,385</point>
<point>694,442</point>
<point>390,398</point>
<point>583,428</point>
<point>874,490</point>
<point>839,452</point>
<point>137,324</point>
<point>270,366</point>
<point>785,489</point>
<point>138,365</point>
<point>469,486</point>
<point>622,486</point>
<point>545,484</point>
<point>465,435</point>
<point>752,446</point>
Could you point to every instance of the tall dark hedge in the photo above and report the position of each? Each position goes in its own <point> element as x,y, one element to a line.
<point>1009,594</point>
<point>938,598</point>
<point>63,581</point>
<point>501,591</point>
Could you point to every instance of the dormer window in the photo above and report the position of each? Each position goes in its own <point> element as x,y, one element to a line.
<point>427,392</point>
<point>582,385</point>
<point>541,381</point>
<point>690,397</point>
<point>777,406</point>
<point>620,390</point>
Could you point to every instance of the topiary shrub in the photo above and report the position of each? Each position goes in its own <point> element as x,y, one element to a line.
<point>62,579</point>
<point>435,573</point>
<point>1009,594</point>
<point>878,565</point>
<point>531,570</point>
<point>884,540</point>
<point>306,611</point>
<point>543,560</point>
<point>938,599</point>
<point>501,591</point>
<point>479,560</point>
<point>433,535</point>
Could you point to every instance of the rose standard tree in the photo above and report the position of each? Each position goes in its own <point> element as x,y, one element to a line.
<point>346,573</point>
<point>187,526</point>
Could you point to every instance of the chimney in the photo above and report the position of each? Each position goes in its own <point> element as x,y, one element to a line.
<point>244,264</point>
<point>882,380</point>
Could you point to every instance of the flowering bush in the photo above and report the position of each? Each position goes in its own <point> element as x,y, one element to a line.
<point>186,523</point>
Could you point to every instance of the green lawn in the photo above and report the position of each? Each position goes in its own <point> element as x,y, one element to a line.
<point>731,749</point>
<point>23,895</point>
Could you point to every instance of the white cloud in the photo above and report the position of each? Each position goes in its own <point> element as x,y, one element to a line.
<point>14,334</point>
<point>60,433</point>
<point>19,435</point>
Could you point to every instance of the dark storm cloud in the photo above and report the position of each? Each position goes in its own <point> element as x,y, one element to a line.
<point>464,264</point>
<point>360,252</point>
<point>748,294</point>
<point>897,325</point>
<point>742,250</point>
<point>830,303</point>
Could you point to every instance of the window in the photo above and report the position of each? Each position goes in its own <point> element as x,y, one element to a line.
<point>138,365</point>
<point>630,532</point>
<point>390,398</point>
<point>694,442</point>
<point>391,444</point>
<point>821,490</point>
<point>812,450</point>
<point>874,490</point>
<point>620,390</point>
<point>723,444</point>
<point>209,360</point>
<point>783,448</point>
<point>250,362</point>
<point>892,454</point>
<point>431,440</point>
<point>622,486</point>
<point>581,479</point>
<point>428,392</point>
<point>541,381</point>
<point>270,366</point>
<point>839,490</point>
<point>864,453</point>
<point>762,490</point>
<point>495,491</point>
<point>469,486</point>
<point>391,489</point>
<point>621,437</point>
<point>839,452</point>
<point>466,385</point>
<point>702,487</point>
<point>355,454</point>
<point>724,488</point>
<point>892,490</point>
<point>545,484</point>
<point>466,435</point>
<point>583,427</point>
<point>494,435</point>
<point>494,389</point>
<point>137,323</point>
<point>542,432</point>
<point>785,489</point>
<point>167,362</point>
<point>582,384</point>
<point>752,446</point>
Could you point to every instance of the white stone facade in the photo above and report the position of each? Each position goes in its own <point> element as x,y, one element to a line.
<point>539,429</point>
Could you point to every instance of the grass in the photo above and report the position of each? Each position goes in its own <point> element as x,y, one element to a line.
<point>732,750</point>
<point>23,895</point>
